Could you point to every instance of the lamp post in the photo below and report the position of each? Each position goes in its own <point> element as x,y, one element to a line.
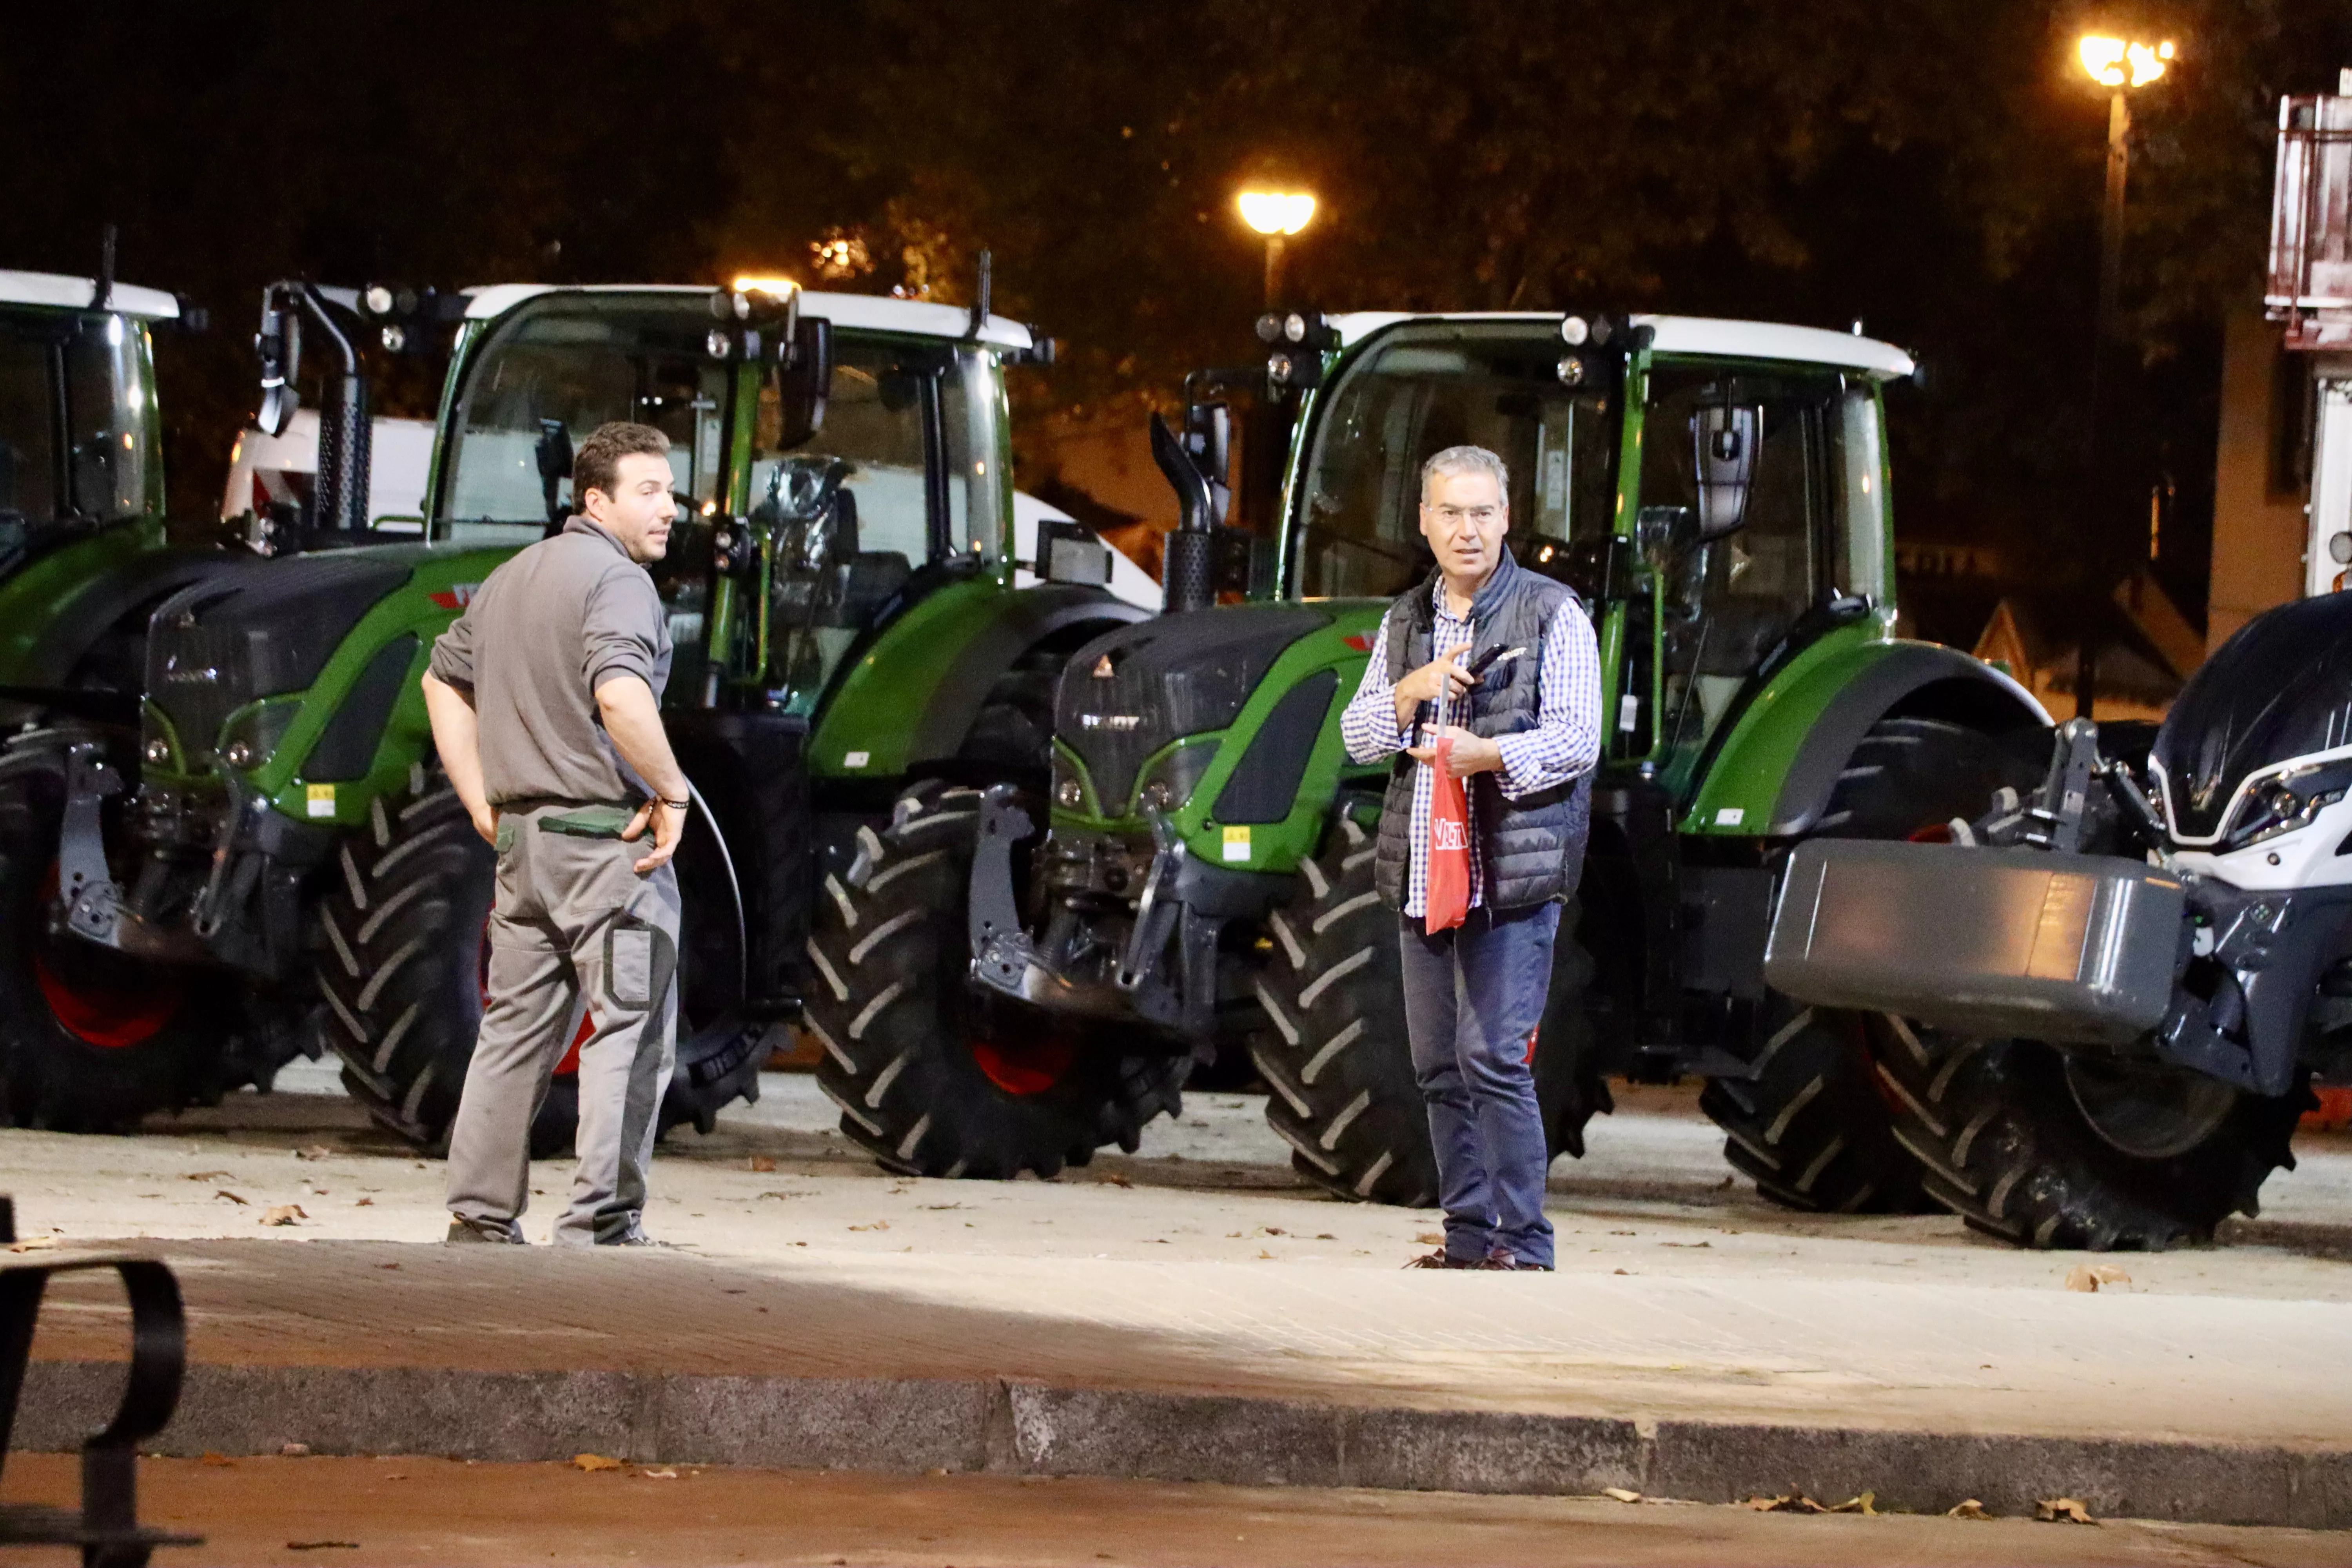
<point>2119,65</point>
<point>1277,214</point>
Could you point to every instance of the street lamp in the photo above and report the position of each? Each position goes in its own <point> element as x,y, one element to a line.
<point>1276,214</point>
<point>2119,65</point>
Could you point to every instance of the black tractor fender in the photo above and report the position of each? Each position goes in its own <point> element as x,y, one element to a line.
<point>1911,680</point>
<point>1054,616</point>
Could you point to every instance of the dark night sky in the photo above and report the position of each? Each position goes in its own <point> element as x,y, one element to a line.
<point>1931,167</point>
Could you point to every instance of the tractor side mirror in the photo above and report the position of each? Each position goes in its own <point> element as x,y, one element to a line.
<point>803,378</point>
<point>279,345</point>
<point>1723,439</point>
<point>553,453</point>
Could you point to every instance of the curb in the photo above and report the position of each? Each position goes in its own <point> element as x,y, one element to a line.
<point>905,1425</point>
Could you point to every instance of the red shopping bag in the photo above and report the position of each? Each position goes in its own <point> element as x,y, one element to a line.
<point>1449,847</point>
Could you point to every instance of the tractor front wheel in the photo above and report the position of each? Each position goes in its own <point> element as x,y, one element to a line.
<point>934,1075</point>
<point>91,1039</point>
<point>1337,1063</point>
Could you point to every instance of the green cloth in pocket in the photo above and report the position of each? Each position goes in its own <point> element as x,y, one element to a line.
<point>588,822</point>
<point>506,838</point>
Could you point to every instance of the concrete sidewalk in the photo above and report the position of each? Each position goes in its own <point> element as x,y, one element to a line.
<point>1198,1314</point>
<point>2174,1407</point>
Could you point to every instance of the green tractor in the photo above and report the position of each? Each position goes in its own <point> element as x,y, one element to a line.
<point>842,592</point>
<point>84,561</point>
<point>1716,491</point>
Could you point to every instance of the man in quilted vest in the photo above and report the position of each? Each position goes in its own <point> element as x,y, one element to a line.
<point>1523,735</point>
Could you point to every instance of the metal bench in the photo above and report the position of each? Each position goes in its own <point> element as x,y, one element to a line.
<point>107,1529</point>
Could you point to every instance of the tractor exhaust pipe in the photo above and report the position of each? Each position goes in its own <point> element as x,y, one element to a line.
<point>1188,573</point>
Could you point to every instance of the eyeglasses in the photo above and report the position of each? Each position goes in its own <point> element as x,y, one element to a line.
<point>1479,515</point>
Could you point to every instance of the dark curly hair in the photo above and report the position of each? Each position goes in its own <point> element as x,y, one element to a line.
<point>596,466</point>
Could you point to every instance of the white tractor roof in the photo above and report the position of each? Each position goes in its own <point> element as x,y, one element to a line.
<point>1690,335</point>
<point>58,290</point>
<point>863,312</point>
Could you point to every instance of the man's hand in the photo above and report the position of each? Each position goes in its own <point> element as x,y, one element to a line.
<point>668,822</point>
<point>1471,753</point>
<point>1441,676</point>
<point>486,822</point>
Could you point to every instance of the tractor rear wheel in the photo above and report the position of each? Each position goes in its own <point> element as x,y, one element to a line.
<point>2049,1150</point>
<point>1810,1123</point>
<point>1339,1063</point>
<point>934,1075</point>
<point>90,1039</point>
<point>404,923</point>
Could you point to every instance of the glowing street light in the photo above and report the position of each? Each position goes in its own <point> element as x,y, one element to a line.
<point>2119,65</point>
<point>1276,214</point>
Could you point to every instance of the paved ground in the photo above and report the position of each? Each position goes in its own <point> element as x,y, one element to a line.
<point>361,1513</point>
<point>1202,1271</point>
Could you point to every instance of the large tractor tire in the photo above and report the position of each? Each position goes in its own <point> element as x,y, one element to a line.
<point>404,923</point>
<point>2047,1150</point>
<point>1337,1061</point>
<point>935,1076</point>
<point>1810,1123</point>
<point>93,1040</point>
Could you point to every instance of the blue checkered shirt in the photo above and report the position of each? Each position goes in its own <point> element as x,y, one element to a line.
<point>1565,742</point>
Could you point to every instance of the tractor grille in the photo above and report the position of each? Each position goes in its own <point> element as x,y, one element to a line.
<point>216,647</point>
<point>1129,692</point>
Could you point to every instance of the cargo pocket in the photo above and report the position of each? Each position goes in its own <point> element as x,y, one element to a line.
<point>629,962</point>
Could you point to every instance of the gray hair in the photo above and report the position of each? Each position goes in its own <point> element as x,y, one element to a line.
<point>1467,460</point>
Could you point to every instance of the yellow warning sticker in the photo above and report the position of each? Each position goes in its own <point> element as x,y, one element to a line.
<point>1237,843</point>
<point>321,800</point>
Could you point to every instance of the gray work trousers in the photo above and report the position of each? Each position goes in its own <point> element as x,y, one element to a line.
<point>573,924</point>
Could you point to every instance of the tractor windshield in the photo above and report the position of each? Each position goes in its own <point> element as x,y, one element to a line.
<point>76,442</point>
<point>1423,388</point>
<point>1807,527</point>
<point>555,371</point>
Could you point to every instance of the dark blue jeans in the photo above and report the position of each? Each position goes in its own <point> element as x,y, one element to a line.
<point>1472,997</point>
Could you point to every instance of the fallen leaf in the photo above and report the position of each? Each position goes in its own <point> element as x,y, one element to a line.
<point>231,1197</point>
<point>2090,1275</point>
<point>1862,1504</point>
<point>878,1225</point>
<point>294,1450</point>
<point>1685,1244</point>
<point>1617,1271</point>
<point>2062,1510</point>
<point>1262,1252</point>
<point>284,1213</point>
<point>1270,1230</point>
<point>33,1244</point>
<point>1431,1238</point>
<point>1623,1494</point>
<point>1116,1179</point>
<point>1966,1507</point>
<point>206,1176</point>
<point>761,1162</point>
<point>1325,1236</point>
<point>364,1204</point>
<point>315,1151</point>
<point>941,1208</point>
<point>219,1461</point>
<point>659,1475</point>
<point>594,1462</point>
<point>1796,1503</point>
<point>323,1545</point>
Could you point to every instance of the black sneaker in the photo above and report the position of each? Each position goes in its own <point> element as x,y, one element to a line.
<point>465,1232</point>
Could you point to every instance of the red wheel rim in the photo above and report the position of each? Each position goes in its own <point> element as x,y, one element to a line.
<point>1022,1070</point>
<point>107,1018</point>
<point>107,1012</point>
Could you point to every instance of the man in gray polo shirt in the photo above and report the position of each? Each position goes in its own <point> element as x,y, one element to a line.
<point>545,698</point>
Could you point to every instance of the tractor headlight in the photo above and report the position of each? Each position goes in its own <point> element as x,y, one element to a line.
<point>1294,327</point>
<point>1571,371</point>
<point>1169,780</point>
<point>719,344</point>
<point>251,736</point>
<point>1069,788</point>
<point>1575,331</point>
<point>2286,802</point>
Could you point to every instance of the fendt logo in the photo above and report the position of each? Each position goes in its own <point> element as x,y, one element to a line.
<point>456,598</point>
<point>1444,833</point>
